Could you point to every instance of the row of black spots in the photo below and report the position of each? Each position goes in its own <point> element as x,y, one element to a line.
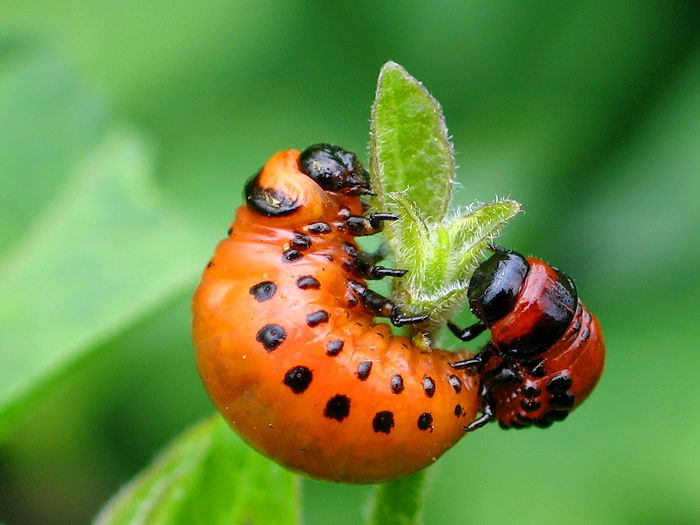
<point>337,407</point>
<point>397,385</point>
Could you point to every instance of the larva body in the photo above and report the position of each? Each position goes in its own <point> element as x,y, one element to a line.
<point>287,346</point>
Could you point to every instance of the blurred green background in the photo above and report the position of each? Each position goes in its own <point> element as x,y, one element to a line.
<point>588,113</point>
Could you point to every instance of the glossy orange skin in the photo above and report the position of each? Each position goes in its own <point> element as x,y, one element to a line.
<point>246,382</point>
<point>578,354</point>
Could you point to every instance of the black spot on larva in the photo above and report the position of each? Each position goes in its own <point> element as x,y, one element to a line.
<point>531,392</point>
<point>557,415</point>
<point>383,421</point>
<point>271,336</point>
<point>455,383</point>
<point>585,334</point>
<point>317,318</point>
<point>543,423</point>
<point>300,242</point>
<point>425,421</point>
<point>268,201</point>
<point>429,386</point>
<point>328,256</point>
<point>559,384</point>
<point>210,264</point>
<point>229,232</point>
<point>263,291</point>
<point>458,410</point>
<point>396,383</point>
<point>363,370</point>
<point>537,368</point>
<point>333,348</point>
<point>298,379</point>
<point>306,281</point>
<point>351,250</point>
<point>337,407</point>
<point>318,228</point>
<point>530,405</point>
<point>562,401</point>
<point>291,255</point>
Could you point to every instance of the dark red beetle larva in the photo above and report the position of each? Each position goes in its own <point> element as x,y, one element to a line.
<point>546,352</point>
<point>286,343</point>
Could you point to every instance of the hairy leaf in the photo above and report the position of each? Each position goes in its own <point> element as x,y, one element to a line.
<point>410,150</point>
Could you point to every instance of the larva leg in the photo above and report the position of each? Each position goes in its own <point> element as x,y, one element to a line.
<point>381,306</point>
<point>365,264</point>
<point>359,225</point>
<point>486,411</point>
<point>468,333</point>
<point>478,361</point>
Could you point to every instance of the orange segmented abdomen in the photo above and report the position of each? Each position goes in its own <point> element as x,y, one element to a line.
<point>296,364</point>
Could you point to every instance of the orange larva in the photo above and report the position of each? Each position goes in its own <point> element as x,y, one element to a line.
<point>285,338</point>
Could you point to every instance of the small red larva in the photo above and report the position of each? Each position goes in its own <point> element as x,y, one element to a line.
<point>546,352</point>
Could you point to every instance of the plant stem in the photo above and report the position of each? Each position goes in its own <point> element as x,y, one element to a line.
<point>400,501</point>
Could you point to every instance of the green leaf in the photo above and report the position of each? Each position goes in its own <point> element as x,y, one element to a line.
<point>399,502</point>
<point>47,122</point>
<point>469,235</point>
<point>440,258</point>
<point>107,250</point>
<point>410,150</point>
<point>207,476</point>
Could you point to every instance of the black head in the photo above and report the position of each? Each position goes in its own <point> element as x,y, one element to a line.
<point>335,169</point>
<point>495,284</point>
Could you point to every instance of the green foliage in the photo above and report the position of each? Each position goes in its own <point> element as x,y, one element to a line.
<point>413,171</point>
<point>91,264</point>
<point>410,150</point>
<point>588,113</point>
<point>399,502</point>
<point>208,476</point>
<point>47,122</point>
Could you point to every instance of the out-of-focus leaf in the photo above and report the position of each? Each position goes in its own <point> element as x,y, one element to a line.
<point>46,123</point>
<point>207,476</point>
<point>103,253</point>
<point>410,150</point>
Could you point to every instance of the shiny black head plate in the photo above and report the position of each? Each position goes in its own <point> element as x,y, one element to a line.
<point>335,169</point>
<point>495,285</point>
